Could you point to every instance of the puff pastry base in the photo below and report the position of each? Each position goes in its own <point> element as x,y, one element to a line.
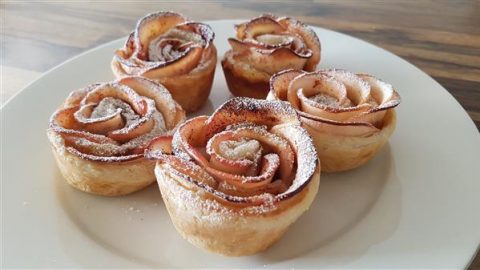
<point>217,228</point>
<point>242,81</point>
<point>102,178</point>
<point>342,153</point>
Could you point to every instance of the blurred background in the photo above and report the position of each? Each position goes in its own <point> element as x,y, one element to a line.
<point>440,37</point>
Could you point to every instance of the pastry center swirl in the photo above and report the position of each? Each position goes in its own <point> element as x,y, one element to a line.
<point>246,160</point>
<point>326,100</point>
<point>108,107</point>
<point>248,151</point>
<point>110,120</point>
<point>273,39</point>
<point>172,45</point>
<point>240,149</point>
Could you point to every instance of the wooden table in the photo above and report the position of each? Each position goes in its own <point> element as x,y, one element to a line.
<point>440,37</point>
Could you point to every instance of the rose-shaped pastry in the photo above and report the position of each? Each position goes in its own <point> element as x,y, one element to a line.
<point>99,134</point>
<point>173,51</point>
<point>349,116</point>
<point>233,182</point>
<point>264,46</point>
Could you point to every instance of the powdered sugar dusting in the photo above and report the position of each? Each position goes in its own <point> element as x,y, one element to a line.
<point>143,52</point>
<point>325,99</point>
<point>173,45</point>
<point>275,123</point>
<point>109,106</point>
<point>360,96</point>
<point>259,112</point>
<point>307,159</point>
<point>214,209</point>
<point>273,39</point>
<point>241,149</point>
<point>107,149</point>
<point>268,33</point>
<point>90,131</point>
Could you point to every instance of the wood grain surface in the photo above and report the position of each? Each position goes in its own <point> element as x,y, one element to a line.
<point>440,37</point>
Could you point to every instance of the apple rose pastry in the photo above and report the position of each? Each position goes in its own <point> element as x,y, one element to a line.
<point>264,46</point>
<point>173,51</point>
<point>349,116</point>
<point>99,134</point>
<point>235,181</point>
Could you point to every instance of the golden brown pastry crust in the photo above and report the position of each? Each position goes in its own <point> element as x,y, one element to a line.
<point>173,51</point>
<point>231,234</point>
<point>102,178</point>
<point>341,153</point>
<point>349,116</point>
<point>215,199</point>
<point>99,134</point>
<point>238,84</point>
<point>266,45</point>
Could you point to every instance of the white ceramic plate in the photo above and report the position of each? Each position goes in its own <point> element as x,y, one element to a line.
<point>416,204</point>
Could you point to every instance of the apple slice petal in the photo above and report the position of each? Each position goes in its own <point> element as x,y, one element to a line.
<point>151,26</point>
<point>171,112</point>
<point>381,92</point>
<point>270,163</point>
<point>258,26</point>
<point>161,145</point>
<point>340,128</point>
<point>218,160</point>
<point>314,83</point>
<point>358,90</point>
<point>308,36</point>
<point>112,122</point>
<point>271,44</point>
<point>101,125</point>
<point>249,110</point>
<point>192,171</point>
<point>278,145</point>
<point>339,100</point>
<point>181,65</point>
